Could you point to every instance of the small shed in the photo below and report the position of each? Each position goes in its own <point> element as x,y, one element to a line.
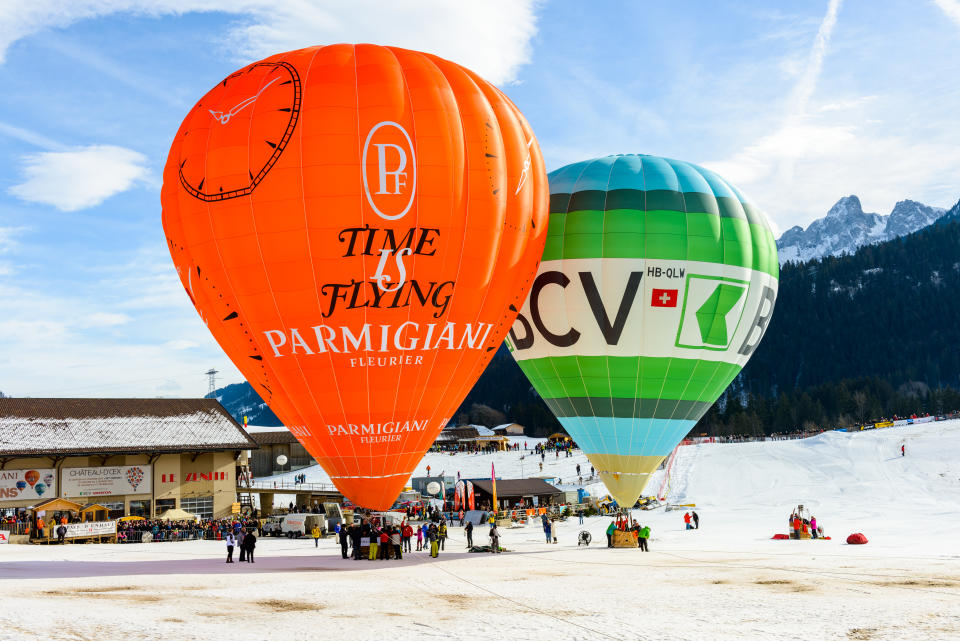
<point>54,509</point>
<point>557,437</point>
<point>94,512</point>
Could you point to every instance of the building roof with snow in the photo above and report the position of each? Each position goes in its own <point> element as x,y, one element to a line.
<point>83,426</point>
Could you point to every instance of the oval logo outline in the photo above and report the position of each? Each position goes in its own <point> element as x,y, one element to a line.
<point>413,163</point>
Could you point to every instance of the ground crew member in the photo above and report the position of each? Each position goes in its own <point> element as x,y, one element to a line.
<point>315,533</point>
<point>468,530</point>
<point>644,535</point>
<point>442,533</point>
<point>610,530</point>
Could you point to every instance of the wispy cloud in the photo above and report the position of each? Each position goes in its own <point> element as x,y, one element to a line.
<point>79,178</point>
<point>951,8</point>
<point>30,137</point>
<point>493,39</point>
<point>113,69</point>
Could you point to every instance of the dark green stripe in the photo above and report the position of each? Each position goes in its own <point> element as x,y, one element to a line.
<point>654,200</point>
<point>628,407</point>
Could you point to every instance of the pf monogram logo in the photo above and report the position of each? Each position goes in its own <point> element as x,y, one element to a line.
<point>390,167</point>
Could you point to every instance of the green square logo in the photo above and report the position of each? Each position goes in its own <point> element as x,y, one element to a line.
<point>712,309</point>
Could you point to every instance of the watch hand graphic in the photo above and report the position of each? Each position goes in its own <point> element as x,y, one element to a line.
<point>224,118</point>
<point>275,91</point>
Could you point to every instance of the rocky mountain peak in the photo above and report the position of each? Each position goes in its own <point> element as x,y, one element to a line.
<point>846,206</point>
<point>846,227</point>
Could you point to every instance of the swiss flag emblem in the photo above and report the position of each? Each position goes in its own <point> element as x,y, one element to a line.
<point>664,298</point>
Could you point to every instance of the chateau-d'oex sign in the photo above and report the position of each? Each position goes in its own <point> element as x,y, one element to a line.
<point>360,249</point>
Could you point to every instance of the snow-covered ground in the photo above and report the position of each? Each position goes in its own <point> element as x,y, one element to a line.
<point>727,580</point>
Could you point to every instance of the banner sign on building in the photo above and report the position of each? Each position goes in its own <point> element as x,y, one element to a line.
<point>106,481</point>
<point>91,528</point>
<point>4,537</point>
<point>27,485</point>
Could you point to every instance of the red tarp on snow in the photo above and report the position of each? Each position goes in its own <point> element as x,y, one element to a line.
<point>781,537</point>
<point>856,539</point>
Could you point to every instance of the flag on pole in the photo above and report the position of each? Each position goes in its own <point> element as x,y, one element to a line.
<point>493,480</point>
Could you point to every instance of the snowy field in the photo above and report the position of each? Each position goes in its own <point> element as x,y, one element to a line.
<point>727,580</point>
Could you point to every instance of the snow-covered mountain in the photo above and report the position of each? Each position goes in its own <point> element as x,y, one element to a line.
<point>847,227</point>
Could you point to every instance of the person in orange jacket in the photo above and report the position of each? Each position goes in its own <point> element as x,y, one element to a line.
<point>796,526</point>
<point>686,519</point>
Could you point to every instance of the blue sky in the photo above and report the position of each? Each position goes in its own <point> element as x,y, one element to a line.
<point>798,104</point>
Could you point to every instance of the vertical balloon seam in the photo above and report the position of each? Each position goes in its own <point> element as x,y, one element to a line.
<point>276,304</point>
<point>603,265</point>
<point>498,100</point>
<point>686,225</point>
<point>408,101</point>
<point>501,210</point>
<point>462,177</point>
<point>513,120</point>
<point>566,306</point>
<point>644,315</point>
<point>215,242</point>
<point>424,441</point>
<point>318,51</point>
<point>670,361</point>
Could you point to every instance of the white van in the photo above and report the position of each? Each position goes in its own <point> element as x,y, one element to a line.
<point>297,525</point>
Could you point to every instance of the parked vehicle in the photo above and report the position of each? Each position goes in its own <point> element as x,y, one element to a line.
<point>272,526</point>
<point>297,525</point>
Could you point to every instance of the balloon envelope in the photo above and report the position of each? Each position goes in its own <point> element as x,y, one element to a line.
<point>32,477</point>
<point>357,226</point>
<point>657,282</point>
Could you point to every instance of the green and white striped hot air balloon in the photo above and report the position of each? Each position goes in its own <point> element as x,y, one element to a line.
<point>657,283</point>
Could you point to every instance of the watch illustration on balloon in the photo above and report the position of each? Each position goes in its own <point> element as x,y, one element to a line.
<point>270,90</point>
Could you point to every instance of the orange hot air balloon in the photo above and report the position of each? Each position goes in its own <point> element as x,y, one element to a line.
<point>357,225</point>
<point>32,477</point>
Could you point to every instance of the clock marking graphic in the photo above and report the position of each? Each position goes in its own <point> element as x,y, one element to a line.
<point>274,88</point>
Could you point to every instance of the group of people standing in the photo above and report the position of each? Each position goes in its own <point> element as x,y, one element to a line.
<point>692,520</point>
<point>246,540</point>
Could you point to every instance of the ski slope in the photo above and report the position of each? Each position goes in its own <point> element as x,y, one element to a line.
<point>850,481</point>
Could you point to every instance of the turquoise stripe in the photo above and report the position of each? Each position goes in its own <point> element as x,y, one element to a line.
<point>631,437</point>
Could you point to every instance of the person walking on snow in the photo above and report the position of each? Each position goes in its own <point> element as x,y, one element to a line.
<point>315,533</point>
<point>231,542</point>
<point>494,539</point>
<point>903,449</point>
<point>553,529</point>
<point>642,537</point>
<point>468,530</point>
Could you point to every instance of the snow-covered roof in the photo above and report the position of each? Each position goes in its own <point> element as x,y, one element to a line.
<point>75,426</point>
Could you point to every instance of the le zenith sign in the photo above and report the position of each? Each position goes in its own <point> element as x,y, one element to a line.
<point>193,477</point>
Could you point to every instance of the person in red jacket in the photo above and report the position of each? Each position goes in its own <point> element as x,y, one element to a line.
<point>796,526</point>
<point>686,519</point>
<point>407,534</point>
